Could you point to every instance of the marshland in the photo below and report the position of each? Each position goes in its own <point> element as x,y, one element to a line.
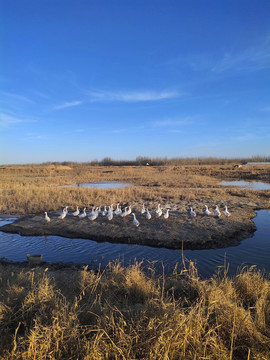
<point>132,311</point>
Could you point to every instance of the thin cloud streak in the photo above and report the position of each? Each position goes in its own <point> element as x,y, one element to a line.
<point>68,104</point>
<point>15,97</point>
<point>135,96</point>
<point>8,120</point>
<point>169,122</point>
<point>252,59</point>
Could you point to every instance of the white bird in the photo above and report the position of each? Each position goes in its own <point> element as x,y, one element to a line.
<point>226,212</point>
<point>104,212</point>
<point>217,212</point>
<point>92,212</point>
<point>129,210</point>
<point>93,215</point>
<point>135,221</point>
<point>158,211</point>
<point>143,209</point>
<point>47,219</point>
<point>192,212</point>
<point>66,210</point>
<point>76,213</point>
<point>83,215</point>
<point>63,214</point>
<point>110,214</point>
<point>148,215</point>
<point>207,211</point>
<point>166,215</point>
<point>118,210</point>
<point>124,213</point>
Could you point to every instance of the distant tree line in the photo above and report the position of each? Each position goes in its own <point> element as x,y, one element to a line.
<point>144,161</point>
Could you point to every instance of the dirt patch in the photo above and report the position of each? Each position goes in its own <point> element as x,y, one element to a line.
<point>201,232</point>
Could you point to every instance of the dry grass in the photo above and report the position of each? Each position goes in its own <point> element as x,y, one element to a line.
<point>28,189</point>
<point>130,313</point>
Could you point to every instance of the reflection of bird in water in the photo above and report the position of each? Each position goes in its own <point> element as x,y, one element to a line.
<point>148,215</point>
<point>47,219</point>
<point>226,212</point>
<point>192,212</point>
<point>76,213</point>
<point>217,212</point>
<point>83,215</point>
<point>207,211</point>
<point>135,221</point>
<point>166,215</point>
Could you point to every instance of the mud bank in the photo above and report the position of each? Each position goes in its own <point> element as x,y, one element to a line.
<point>202,232</point>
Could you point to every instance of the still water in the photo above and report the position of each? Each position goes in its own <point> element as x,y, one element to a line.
<point>101,185</point>
<point>252,185</point>
<point>254,250</point>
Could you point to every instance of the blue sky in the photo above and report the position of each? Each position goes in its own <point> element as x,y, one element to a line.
<point>83,80</point>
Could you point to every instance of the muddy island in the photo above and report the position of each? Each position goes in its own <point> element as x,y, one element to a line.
<point>179,230</point>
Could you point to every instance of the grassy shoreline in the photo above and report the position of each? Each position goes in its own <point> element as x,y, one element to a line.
<point>132,313</point>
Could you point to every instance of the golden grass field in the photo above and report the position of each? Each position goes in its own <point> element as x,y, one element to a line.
<point>129,312</point>
<point>27,189</point>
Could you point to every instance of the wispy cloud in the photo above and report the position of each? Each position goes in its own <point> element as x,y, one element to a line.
<point>173,122</point>
<point>68,104</point>
<point>132,96</point>
<point>251,59</point>
<point>8,120</point>
<point>11,97</point>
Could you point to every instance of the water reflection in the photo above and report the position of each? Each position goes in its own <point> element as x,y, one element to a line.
<point>101,185</point>
<point>253,185</point>
<point>252,251</point>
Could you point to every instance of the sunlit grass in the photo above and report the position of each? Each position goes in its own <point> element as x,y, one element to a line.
<point>132,313</point>
<point>36,188</point>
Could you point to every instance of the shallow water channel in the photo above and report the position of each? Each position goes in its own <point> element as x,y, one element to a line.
<point>254,250</point>
<point>251,185</point>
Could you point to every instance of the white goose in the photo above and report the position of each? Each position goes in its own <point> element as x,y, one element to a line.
<point>118,210</point>
<point>76,213</point>
<point>83,215</point>
<point>217,212</point>
<point>226,212</point>
<point>129,210</point>
<point>158,211</point>
<point>124,213</point>
<point>166,215</point>
<point>207,211</point>
<point>110,214</point>
<point>47,219</point>
<point>135,221</point>
<point>63,214</point>
<point>192,212</point>
<point>66,210</point>
<point>148,215</point>
<point>92,216</point>
<point>143,209</point>
<point>104,212</point>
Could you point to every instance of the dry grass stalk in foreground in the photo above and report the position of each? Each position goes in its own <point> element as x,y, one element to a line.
<point>35,188</point>
<point>130,313</point>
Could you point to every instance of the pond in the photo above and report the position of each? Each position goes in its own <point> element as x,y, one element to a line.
<point>252,185</point>
<point>254,250</point>
<point>101,185</point>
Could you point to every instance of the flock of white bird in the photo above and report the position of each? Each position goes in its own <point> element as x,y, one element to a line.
<point>110,212</point>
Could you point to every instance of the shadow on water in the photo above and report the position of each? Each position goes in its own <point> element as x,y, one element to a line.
<point>251,251</point>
